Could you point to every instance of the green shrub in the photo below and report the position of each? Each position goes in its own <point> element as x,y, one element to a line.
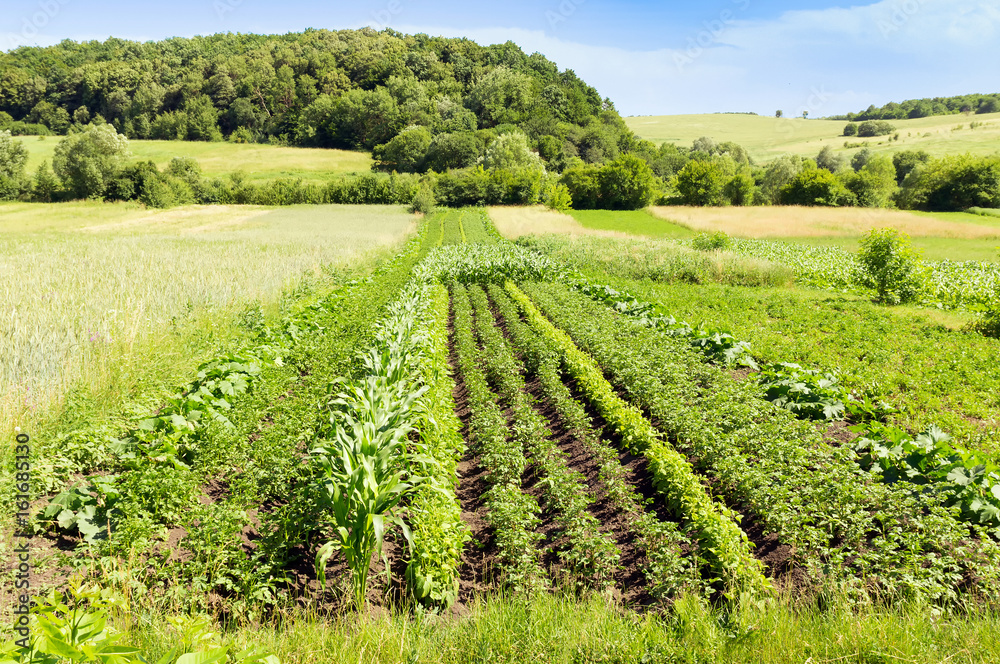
<point>888,265</point>
<point>558,198</point>
<point>875,128</point>
<point>711,241</point>
<point>424,201</point>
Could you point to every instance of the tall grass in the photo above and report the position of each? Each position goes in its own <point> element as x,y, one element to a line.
<point>661,261</point>
<point>559,629</point>
<point>80,302</point>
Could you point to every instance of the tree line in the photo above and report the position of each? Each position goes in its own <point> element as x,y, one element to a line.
<point>349,89</point>
<point>922,108</point>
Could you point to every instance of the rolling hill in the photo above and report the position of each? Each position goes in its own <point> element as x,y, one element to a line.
<point>769,137</point>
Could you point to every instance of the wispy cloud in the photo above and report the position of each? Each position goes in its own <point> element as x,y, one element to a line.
<point>826,61</point>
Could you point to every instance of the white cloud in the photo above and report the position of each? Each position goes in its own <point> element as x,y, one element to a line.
<point>825,61</point>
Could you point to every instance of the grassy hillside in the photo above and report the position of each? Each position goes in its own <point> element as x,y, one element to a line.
<point>259,162</point>
<point>768,137</point>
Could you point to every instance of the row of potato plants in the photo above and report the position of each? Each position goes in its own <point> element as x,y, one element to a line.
<point>668,571</point>
<point>930,460</point>
<point>590,557</point>
<point>513,514</point>
<point>843,524</point>
<point>721,542</point>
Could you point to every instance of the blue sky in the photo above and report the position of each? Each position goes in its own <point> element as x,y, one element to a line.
<point>648,57</point>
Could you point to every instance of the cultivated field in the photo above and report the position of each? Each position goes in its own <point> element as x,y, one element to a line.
<point>94,276</point>
<point>565,447</point>
<point>259,162</point>
<point>768,137</point>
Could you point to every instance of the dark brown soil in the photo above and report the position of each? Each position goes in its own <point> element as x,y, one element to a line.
<point>480,552</point>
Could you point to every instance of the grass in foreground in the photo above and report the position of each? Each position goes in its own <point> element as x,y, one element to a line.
<point>259,162</point>
<point>564,630</point>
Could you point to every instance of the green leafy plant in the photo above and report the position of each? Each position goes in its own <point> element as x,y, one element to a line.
<point>73,628</point>
<point>716,241</point>
<point>888,265</point>
<point>930,461</point>
<point>808,393</point>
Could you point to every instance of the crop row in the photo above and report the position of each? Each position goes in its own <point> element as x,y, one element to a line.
<point>929,460</point>
<point>512,513</point>
<point>840,520</point>
<point>722,544</point>
<point>590,556</point>
<point>667,570</point>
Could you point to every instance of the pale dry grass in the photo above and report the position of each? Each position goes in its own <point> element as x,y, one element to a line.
<point>514,222</point>
<point>73,291</point>
<point>794,221</point>
<point>188,219</point>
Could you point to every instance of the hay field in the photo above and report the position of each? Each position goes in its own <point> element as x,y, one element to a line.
<point>513,222</point>
<point>81,278</point>
<point>809,222</point>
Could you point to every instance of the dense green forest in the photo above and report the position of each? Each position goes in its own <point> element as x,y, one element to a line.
<point>448,121</point>
<point>922,108</point>
<point>353,89</point>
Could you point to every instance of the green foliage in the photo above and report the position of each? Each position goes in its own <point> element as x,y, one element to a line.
<point>829,160</point>
<point>510,151</point>
<point>88,162</point>
<point>405,152</point>
<point>932,463</point>
<point>874,182</point>
<point>706,241</point>
<point>808,393</point>
<point>581,181</point>
<point>816,186</point>
<point>888,265</point>
<point>953,183</point>
<point>851,129</point>
<point>424,200</point>
<point>627,183</point>
<point>559,198</point>
<point>870,128</point>
<point>702,183</point>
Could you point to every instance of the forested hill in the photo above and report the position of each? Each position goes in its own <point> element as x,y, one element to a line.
<point>922,108</point>
<point>344,89</point>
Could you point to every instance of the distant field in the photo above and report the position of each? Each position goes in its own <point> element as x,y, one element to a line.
<point>940,235</point>
<point>953,236</point>
<point>769,137</point>
<point>259,162</point>
<point>91,276</point>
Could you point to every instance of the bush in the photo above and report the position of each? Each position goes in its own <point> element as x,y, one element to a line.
<point>90,161</point>
<point>711,241</point>
<point>851,129</point>
<point>888,265</point>
<point>424,201</point>
<point>816,186</point>
<point>558,198</point>
<point>627,183</point>
<point>702,183</point>
<point>581,182</point>
<point>875,128</point>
